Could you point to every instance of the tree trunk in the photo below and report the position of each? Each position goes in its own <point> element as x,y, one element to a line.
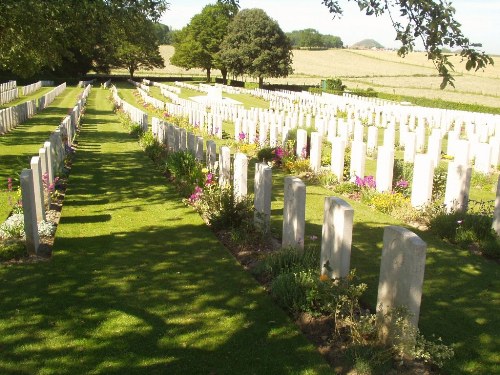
<point>261,82</point>
<point>131,70</point>
<point>208,75</point>
<point>224,76</point>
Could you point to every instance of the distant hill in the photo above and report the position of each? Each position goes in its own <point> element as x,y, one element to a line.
<point>367,44</point>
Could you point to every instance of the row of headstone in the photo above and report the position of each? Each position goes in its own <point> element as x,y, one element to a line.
<point>43,169</point>
<point>135,114</point>
<point>15,115</point>
<point>403,255</point>
<point>138,84</point>
<point>30,89</point>
<point>48,98</point>
<point>107,84</point>
<point>8,86</point>
<point>9,96</point>
<point>156,103</point>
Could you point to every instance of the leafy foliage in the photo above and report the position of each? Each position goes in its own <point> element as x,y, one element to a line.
<point>311,38</point>
<point>76,37</point>
<point>197,45</point>
<point>256,45</point>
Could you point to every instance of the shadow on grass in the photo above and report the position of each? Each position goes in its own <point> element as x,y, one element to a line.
<point>122,295</point>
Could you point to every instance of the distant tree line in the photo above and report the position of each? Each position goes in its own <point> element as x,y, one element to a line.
<point>312,39</point>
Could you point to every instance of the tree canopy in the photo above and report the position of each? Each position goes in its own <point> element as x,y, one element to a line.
<point>197,45</point>
<point>431,21</point>
<point>71,37</point>
<point>255,45</point>
<point>311,38</point>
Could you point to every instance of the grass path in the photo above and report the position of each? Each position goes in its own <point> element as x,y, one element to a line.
<point>19,145</point>
<point>137,283</point>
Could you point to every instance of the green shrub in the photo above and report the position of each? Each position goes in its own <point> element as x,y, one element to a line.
<point>386,202</point>
<point>288,260</point>
<point>220,208</point>
<point>334,84</point>
<point>346,188</point>
<point>151,146</point>
<point>290,290</point>
<point>266,154</point>
<point>186,171</point>
<point>12,249</point>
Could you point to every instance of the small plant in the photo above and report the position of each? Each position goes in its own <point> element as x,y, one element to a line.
<point>12,249</point>
<point>185,170</point>
<point>439,182</point>
<point>218,205</point>
<point>46,229</point>
<point>387,202</point>
<point>151,146</point>
<point>408,342</point>
<point>13,227</point>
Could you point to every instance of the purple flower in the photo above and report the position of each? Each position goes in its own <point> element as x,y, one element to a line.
<point>367,182</point>
<point>279,152</point>
<point>9,184</point>
<point>402,184</point>
<point>242,136</point>
<point>210,178</point>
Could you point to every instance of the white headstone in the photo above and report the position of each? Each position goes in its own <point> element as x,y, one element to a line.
<point>262,196</point>
<point>29,211</point>
<point>336,238</point>
<point>240,176</point>
<point>423,175</point>
<point>401,276</point>
<point>294,212</point>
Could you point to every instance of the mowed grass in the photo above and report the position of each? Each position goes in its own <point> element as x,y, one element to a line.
<point>137,283</point>
<point>461,297</point>
<point>19,145</point>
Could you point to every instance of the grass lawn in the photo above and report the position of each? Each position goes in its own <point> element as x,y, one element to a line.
<point>461,300</point>
<point>137,283</point>
<point>18,146</point>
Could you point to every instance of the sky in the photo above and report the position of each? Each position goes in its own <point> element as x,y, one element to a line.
<point>479,19</point>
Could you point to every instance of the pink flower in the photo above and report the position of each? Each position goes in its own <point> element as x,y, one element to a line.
<point>9,184</point>
<point>242,136</point>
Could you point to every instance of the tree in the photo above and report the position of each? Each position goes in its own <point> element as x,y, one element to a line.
<point>255,45</point>
<point>65,36</point>
<point>433,22</point>
<point>136,44</point>
<point>163,33</point>
<point>197,45</point>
